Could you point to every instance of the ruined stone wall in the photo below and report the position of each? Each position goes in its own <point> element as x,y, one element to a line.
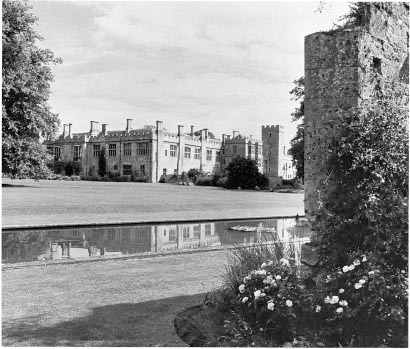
<point>340,67</point>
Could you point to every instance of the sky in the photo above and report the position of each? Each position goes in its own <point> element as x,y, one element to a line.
<point>224,66</point>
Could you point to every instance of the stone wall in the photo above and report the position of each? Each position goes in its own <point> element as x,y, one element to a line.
<point>339,74</point>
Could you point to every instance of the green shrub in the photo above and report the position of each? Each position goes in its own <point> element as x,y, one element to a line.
<point>364,304</point>
<point>68,169</point>
<point>367,204</point>
<point>204,181</point>
<point>193,174</point>
<point>222,182</point>
<point>124,178</point>
<point>245,258</point>
<point>243,173</point>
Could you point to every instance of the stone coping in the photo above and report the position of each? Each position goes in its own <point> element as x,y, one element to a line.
<point>142,222</point>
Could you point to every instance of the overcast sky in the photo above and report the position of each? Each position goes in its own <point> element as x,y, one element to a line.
<point>219,65</point>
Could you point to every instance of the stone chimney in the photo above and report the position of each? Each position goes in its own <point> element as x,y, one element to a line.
<point>180,130</point>
<point>93,130</point>
<point>69,130</point>
<point>104,129</point>
<point>65,130</point>
<point>128,129</point>
<point>235,133</point>
<point>159,126</point>
<point>204,133</point>
<point>192,131</point>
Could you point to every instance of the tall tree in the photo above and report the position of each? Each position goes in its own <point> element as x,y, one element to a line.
<point>26,116</point>
<point>102,163</point>
<point>297,148</point>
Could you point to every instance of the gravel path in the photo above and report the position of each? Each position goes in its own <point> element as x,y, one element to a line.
<point>113,303</point>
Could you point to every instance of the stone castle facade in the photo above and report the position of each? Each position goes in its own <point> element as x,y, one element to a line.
<point>152,151</point>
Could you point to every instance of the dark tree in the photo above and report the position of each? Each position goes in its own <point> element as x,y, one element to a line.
<point>26,116</point>
<point>244,173</point>
<point>297,148</point>
<point>102,163</point>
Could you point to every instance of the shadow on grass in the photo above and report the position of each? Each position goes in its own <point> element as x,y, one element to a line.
<point>6,185</point>
<point>125,324</point>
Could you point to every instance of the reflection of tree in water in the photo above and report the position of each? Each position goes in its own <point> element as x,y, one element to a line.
<point>24,246</point>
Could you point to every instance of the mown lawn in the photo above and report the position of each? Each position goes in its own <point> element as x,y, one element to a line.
<point>113,303</point>
<point>30,203</point>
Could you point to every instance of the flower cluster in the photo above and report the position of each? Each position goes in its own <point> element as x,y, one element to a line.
<point>270,297</point>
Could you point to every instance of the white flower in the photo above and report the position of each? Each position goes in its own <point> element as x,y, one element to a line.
<point>289,303</point>
<point>268,280</point>
<point>278,277</point>
<point>241,288</point>
<point>244,299</point>
<point>257,294</point>
<point>351,267</point>
<point>356,262</point>
<point>341,290</point>
<point>357,285</point>
<point>334,300</point>
<point>371,273</point>
<point>343,303</point>
<point>263,265</point>
<point>246,279</point>
<point>284,261</point>
<point>271,305</point>
<point>260,272</point>
<point>364,259</point>
<point>361,281</point>
<point>318,308</point>
<point>270,263</point>
<point>339,310</point>
<point>263,294</point>
<point>345,269</point>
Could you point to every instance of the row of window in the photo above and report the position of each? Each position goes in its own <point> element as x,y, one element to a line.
<point>141,149</point>
<point>197,153</point>
<point>127,170</point>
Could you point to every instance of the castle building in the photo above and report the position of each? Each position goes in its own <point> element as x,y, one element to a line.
<point>152,151</point>
<point>238,145</point>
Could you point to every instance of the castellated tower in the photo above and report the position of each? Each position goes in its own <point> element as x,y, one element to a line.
<point>272,145</point>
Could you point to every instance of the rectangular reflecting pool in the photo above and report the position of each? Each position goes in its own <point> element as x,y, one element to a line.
<point>28,245</point>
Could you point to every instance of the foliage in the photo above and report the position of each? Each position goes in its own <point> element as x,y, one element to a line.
<point>297,148</point>
<point>204,181</point>
<point>194,173</point>
<point>68,169</point>
<point>366,304</point>
<point>272,307</point>
<point>244,173</point>
<point>26,116</point>
<point>248,257</point>
<point>359,13</point>
<point>366,212</point>
<point>366,206</point>
<point>102,163</point>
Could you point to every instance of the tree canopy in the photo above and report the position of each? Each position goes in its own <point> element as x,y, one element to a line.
<point>297,148</point>
<point>244,173</point>
<point>26,115</point>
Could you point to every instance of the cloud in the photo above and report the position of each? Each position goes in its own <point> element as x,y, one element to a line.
<point>219,64</point>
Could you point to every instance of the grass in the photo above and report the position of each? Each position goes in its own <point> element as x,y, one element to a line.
<point>115,303</point>
<point>31,203</point>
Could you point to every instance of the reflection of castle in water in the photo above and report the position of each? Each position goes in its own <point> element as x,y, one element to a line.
<point>85,242</point>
